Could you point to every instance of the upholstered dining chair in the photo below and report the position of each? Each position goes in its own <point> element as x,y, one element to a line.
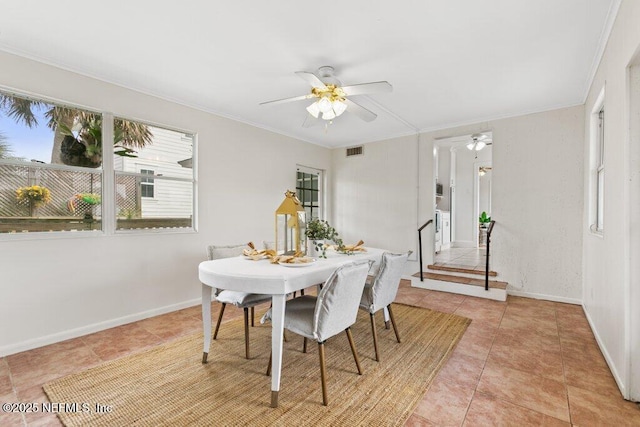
<point>242,300</point>
<point>382,290</point>
<point>334,310</point>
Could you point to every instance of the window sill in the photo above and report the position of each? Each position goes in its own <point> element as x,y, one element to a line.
<point>51,235</point>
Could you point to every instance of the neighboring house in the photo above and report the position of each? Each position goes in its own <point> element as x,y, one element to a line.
<point>155,197</point>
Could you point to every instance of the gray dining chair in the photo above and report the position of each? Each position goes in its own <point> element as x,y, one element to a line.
<point>242,300</point>
<point>334,310</point>
<point>382,290</point>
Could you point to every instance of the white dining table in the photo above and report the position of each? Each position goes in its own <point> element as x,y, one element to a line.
<point>263,277</point>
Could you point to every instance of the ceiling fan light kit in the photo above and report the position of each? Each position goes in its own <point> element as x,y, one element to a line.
<point>476,145</point>
<point>478,142</point>
<point>330,102</point>
<point>332,98</point>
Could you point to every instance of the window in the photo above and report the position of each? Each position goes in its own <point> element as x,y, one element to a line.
<point>309,191</point>
<point>154,184</point>
<point>597,166</point>
<point>50,166</point>
<point>146,184</point>
<point>53,177</point>
<point>600,173</point>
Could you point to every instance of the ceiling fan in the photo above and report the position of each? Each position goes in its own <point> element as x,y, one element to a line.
<point>331,99</point>
<point>479,141</point>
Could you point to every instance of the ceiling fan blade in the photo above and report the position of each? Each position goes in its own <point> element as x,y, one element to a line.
<point>312,79</point>
<point>282,101</point>
<point>365,88</point>
<point>360,111</point>
<point>311,121</point>
<point>479,137</point>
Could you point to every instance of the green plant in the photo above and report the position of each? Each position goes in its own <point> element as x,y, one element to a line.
<point>89,198</point>
<point>129,213</point>
<point>484,219</point>
<point>319,230</point>
<point>83,147</point>
<point>78,133</point>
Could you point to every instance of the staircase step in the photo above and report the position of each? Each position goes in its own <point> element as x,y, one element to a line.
<point>461,269</point>
<point>460,285</point>
<point>493,284</point>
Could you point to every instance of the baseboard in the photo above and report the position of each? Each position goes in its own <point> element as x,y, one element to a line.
<point>553,298</point>
<point>607,357</point>
<point>96,327</point>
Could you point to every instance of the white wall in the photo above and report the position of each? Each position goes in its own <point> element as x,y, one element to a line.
<point>611,275</point>
<point>375,195</point>
<point>537,198</point>
<point>56,288</point>
<point>634,225</point>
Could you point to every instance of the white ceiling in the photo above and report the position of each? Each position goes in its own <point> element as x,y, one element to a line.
<point>450,62</point>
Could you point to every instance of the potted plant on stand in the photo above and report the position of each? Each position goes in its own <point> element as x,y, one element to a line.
<point>318,231</point>
<point>34,197</point>
<point>484,220</point>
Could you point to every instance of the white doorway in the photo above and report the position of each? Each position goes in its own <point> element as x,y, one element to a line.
<point>632,308</point>
<point>462,194</point>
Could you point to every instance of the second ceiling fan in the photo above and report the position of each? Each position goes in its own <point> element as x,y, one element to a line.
<point>330,99</point>
<point>478,141</point>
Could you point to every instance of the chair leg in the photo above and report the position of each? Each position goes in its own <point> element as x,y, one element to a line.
<point>215,334</point>
<point>323,373</point>
<point>304,344</point>
<point>353,349</point>
<point>387,323</point>
<point>393,322</point>
<point>253,315</point>
<point>269,365</point>
<point>246,332</point>
<point>375,335</point>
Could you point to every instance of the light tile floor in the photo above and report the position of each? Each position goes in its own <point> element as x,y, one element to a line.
<point>521,362</point>
<point>472,258</point>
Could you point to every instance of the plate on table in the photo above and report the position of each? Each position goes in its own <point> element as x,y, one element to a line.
<point>298,264</point>
<point>255,257</point>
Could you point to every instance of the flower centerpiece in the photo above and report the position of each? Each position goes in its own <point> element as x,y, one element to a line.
<point>319,230</point>
<point>34,195</point>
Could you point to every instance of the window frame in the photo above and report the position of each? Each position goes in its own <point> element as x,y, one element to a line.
<point>149,183</point>
<point>597,166</point>
<point>108,176</point>
<point>193,180</point>
<point>320,190</point>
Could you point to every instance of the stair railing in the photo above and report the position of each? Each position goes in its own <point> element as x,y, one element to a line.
<point>420,245</point>
<point>486,271</point>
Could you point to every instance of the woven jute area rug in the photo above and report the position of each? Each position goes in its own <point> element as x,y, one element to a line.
<point>169,385</point>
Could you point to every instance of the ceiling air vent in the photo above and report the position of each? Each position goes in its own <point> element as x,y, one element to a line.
<point>355,151</point>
